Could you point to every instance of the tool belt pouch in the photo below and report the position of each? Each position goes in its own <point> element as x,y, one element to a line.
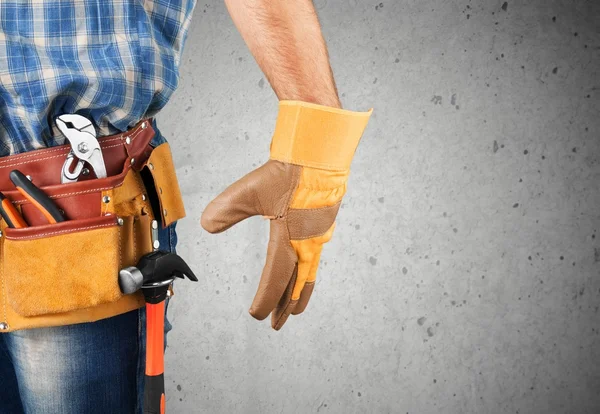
<point>66,273</point>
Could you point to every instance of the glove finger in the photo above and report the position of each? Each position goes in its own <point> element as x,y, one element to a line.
<point>289,301</point>
<point>277,274</point>
<point>286,305</point>
<point>262,191</point>
<point>309,256</point>
<point>309,286</point>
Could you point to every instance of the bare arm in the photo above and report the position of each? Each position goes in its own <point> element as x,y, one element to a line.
<point>285,38</point>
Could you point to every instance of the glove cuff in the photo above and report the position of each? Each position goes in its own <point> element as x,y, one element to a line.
<point>317,136</point>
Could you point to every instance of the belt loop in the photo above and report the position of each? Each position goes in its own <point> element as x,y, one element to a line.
<point>131,141</point>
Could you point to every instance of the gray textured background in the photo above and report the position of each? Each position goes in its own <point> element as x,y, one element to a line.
<point>463,276</point>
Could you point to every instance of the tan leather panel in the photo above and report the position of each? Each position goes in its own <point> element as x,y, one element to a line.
<point>142,237</point>
<point>134,242</point>
<point>65,227</point>
<point>60,272</point>
<point>125,199</point>
<point>312,222</point>
<point>126,247</point>
<point>265,191</point>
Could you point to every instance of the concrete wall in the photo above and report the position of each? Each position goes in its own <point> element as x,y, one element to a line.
<point>463,276</point>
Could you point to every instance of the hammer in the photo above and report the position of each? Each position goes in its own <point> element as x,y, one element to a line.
<point>153,274</point>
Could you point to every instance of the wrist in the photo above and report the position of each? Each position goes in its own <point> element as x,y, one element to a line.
<point>330,101</point>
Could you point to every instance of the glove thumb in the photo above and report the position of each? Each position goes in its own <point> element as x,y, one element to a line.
<point>264,191</point>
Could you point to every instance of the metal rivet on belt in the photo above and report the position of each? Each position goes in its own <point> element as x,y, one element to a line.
<point>143,125</point>
<point>128,140</point>
<point>156,245</point>
<point>143,197</point>
<point>132,160</point>
<point>3,326</point>
<point>120,221</point>
<point>85,171</point>
<point>165,212</point>
<point>106,199</point>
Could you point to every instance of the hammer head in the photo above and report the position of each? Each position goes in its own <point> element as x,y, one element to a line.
<point>154,269</point>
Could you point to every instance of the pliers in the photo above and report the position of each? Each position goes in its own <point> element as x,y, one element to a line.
<point>37,197</point>
<point>84,146</point>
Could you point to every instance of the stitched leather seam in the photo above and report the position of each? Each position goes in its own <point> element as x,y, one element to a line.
<point>317,165</point>
<point>54,233</point>
<point>105,205</point>
<point>112,146</point>
<point>93,190</point>
<point>2,282</point>
<point>120,246</point>
<point>316,208</point>
<point>26,162</point>
<point>133,135</point>
<point>308,187</point>
<point>293,186</point>
<point>313,235</point>
<point>49,158</point>
<point>287,312</point>
<point>54,156</point>
<point>29,155</point>
<point>65,150</point>
<point>310,236</point>
<point>134,244</point>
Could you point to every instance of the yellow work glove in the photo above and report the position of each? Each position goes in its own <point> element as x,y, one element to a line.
<point>300,190</point>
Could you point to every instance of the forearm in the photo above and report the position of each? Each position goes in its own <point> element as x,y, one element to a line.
<point>285,39</point>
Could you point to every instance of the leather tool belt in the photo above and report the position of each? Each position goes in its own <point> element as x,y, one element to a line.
<point>67,272</point>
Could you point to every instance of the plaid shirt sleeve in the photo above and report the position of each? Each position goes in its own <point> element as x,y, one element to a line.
<point>113,61</point>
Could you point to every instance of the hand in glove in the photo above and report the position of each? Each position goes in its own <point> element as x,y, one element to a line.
<point>300,190</point>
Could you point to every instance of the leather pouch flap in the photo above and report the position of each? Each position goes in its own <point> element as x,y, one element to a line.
<point>66,266</point>
<point>160,165</point>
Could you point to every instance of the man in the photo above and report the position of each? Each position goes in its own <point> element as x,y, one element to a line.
<point>116,62</point>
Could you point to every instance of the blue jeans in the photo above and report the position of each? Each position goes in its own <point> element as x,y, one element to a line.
<point>78,369</point>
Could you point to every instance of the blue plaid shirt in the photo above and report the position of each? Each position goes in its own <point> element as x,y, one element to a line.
<point>113,61</point>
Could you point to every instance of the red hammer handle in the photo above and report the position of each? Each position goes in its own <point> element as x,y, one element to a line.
<point>154,382</point>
